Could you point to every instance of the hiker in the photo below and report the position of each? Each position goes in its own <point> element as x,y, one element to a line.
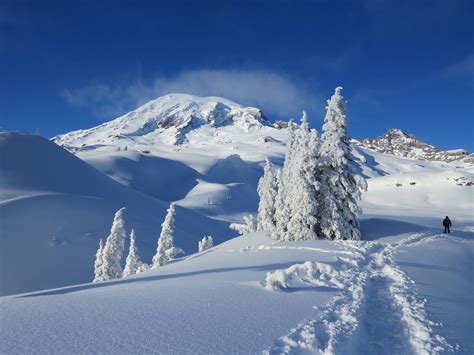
<point>447,223</point>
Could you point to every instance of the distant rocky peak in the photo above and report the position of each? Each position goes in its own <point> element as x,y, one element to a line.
<point>397,132</point>
<point>400,143</point>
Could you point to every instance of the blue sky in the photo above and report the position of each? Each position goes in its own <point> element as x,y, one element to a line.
<point>69,65</point>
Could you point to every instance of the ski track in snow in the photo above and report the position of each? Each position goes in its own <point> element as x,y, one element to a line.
<point>378,311</point>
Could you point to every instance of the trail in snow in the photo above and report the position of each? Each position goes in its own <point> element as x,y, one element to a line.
<point>378,311</point>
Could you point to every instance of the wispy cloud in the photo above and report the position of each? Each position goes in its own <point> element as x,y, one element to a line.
<point>462,70</point>
<point>278,95</point>
<point>101,99</point>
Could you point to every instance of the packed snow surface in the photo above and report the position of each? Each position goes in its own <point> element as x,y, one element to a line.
<point>405,292</point>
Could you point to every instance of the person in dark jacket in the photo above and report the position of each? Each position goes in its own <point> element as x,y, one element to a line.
<point>447,224</point>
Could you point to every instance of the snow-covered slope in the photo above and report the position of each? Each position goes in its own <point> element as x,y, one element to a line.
<point>54,208</point>
<point>406,291</point>
<point>211,175</point>
<point>410,187</point>
<point>220,160</point>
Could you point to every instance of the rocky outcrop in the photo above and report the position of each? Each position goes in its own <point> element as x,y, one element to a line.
<point>399,143</point>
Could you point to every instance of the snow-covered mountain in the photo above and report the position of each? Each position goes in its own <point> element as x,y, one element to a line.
<point>204,154</point>
<point>181,119</point>
<point>402,144</point>
<point>167,119</point>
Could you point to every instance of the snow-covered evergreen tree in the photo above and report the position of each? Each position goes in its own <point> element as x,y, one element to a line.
<point>113,249</point>
<point>166,249</point>
<point>249,225</point>
<point>340,188</point>
<point>98,270</point>
<point>296,203</point>
<point>267,191</point>
<point>205,243</point>
<point>284,195</point>
<point>303,221</point>
<point>143,267</point>
<point>133,262</point>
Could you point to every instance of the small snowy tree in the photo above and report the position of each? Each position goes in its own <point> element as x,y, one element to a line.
<point>267,191</point>
<point>205,243</point>
<point>133,262</point>
<point>340,188</point>
<point>98,270</point>
<point>143,267</point>
<point>166,250</point>
<point>113,249</point>
<point>249,225</point>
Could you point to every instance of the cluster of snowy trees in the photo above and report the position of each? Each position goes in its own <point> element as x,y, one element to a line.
<point>316,192</point>
<point>108,258</point>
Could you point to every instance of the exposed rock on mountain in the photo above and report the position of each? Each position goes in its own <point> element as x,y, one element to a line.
<point>399,143</point>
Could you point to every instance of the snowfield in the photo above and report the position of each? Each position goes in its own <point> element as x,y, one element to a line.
<point>54,208</point>
<point>399,294</point>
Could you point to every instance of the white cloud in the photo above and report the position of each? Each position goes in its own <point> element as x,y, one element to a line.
<point>278,95</point>
<point>102,99</point>
<point>462,71</point>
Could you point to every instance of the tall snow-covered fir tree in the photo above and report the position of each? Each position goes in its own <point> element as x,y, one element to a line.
<point>133,262</point>
<point>340,188</point>
<point>99,260</point>
<point>284,195</point>
<point>303,221</point>
<point>166,250</point>
<point>113,249</point>
<point>267,190</point>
